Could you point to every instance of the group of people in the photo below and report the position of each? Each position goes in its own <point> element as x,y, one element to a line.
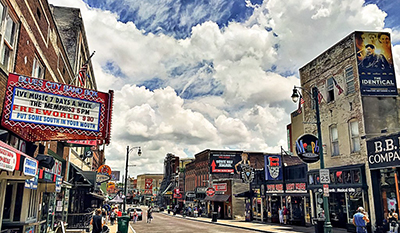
<point>283,215</point>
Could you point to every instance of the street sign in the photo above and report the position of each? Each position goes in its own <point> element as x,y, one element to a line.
<point>324,177</point>
<point>210,192</point>
<point>326,190</point>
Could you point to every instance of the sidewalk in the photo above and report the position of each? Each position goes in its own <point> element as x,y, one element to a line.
<point>114,228</point>
<point>260,227</point>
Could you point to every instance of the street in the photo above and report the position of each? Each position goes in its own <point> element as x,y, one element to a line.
<point>167,223</point>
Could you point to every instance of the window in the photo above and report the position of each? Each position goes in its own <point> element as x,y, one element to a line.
<point>334,140</point>
<point>37,69</point>
<point>354,136</point>
<point>330,90</point>
<point>349,77</point>
<point>8,33</point>
<point>13,205</point>
<point>33,204</point>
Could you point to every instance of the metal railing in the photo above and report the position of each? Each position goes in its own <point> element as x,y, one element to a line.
<point>79,220</point>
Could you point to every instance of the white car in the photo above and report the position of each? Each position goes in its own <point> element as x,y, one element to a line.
<point>138,211</point>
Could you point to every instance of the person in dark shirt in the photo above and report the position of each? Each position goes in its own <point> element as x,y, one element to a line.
<point>97,222</point>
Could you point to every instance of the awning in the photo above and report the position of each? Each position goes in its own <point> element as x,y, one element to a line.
<point>15,160</point>
<point>85,178</point>
<point>98,196</point>
<point>244,194</point>
<point>218,197</point>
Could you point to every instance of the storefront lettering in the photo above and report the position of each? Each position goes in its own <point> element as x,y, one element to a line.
<point>384,151</point>
<point>8,159</point>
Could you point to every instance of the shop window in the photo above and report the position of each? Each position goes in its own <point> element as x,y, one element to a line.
<point>347,177</point>
<point>349,77</point>
<point>333,178</point>
<point>33,204</point>
<point>354,135</point>
<point>37,69</point>
<point>13,205</point>
<point>334,140</point>
<point>330,90</point>
<point>8,39</point>
<point>339,177</point>
<point>356,175</point>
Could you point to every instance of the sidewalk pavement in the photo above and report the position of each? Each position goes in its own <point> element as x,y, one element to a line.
<point>114,228</point>
<point>256,226</point>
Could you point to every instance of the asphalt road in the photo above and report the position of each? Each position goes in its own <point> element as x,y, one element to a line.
<point>166,223</point>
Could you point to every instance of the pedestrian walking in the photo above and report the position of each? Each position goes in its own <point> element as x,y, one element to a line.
<point>285,215</point>
<point>280,211</point>
<point>360,220</point>
<point>97,222</point>
<point>135,216</point>
<point>113,215</point>
<point>149,215</point>
<point>168,209</point>
<point>392,219</point>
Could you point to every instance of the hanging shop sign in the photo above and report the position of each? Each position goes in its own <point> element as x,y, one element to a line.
<point>247,174</point>
<point>32,183</point>
<point>307,148</point>
<point>103,174</point>
<point>42,110</point>
<point>225,162</point>
<point>273,167</point>
<point>177,193</point>
<point>58,184</point>
<point>384,152</point>
<point>375,64</point>
<point>8,159</point>
<point>210,192</point>
<point>296,188</point>
<point>30,167</point>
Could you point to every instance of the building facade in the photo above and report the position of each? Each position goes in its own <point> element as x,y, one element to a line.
<point>359,101</point>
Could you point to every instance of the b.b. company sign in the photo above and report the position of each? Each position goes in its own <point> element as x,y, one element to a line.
<point>384,151</point>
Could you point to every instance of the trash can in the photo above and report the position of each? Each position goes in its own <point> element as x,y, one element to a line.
<point>123,223</point>
<point>319,225</point>
<point>214,216</point>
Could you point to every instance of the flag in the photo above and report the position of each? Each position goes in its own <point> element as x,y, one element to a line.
<point>301,102</point>
<point>320,97</point>
<point>340,90</point>
<point>82,74</point>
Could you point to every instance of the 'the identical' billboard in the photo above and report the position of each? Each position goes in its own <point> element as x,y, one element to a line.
<point>375,64</point>
<point>42,110</point>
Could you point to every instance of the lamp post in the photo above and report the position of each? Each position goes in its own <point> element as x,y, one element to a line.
<point>295,97</point>
<point>126,170</point>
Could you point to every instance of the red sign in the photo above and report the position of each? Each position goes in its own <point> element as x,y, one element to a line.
<point>42,110</point>
<point>274,188</point>
<point>148,184</point>
<point>296,187</point>
<point>220,187</point>
<point>210,192</point>
<point>177,193</point>
<point>84,142</point>
<point>104,169</point>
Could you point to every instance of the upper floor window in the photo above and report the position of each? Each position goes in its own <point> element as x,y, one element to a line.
<point>354,136</point>
<point>8,31</point>
<point>334,140</point>
<point>330,90</point>
<point>37,69</point>
<point>349,77</point>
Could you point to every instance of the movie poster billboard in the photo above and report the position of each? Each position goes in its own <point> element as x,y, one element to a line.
<point>375,64</point>
<point>43,110</point>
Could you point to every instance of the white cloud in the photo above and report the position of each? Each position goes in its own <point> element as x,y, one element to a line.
<point>243,60</point>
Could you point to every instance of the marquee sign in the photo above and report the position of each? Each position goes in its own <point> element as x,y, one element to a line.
<point>42,110</point>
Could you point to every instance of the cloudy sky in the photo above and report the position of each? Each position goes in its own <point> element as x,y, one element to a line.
<point>212,74</point>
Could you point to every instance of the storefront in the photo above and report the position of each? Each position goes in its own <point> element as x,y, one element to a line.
<point>384,165</point>
<point>18,199</point>
<point>347,192</point>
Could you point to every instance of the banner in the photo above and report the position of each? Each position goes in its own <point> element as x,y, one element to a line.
<point>225,162</point>
<point>375,64</point>
<point>42,110</point>
<point>148,186</point>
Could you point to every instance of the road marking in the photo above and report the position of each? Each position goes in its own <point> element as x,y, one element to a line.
<point>132,228</point>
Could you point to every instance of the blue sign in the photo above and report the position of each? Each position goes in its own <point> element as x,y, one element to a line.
<point>273,167</point>
<point>32,183</point>
<point>30,167</point>
<point>58,184</point>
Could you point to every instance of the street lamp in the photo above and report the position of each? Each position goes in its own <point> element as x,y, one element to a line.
<point>126,169</point>
<point>295,97</point>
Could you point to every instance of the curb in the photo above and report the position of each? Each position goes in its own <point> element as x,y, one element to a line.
<point>217,223</point>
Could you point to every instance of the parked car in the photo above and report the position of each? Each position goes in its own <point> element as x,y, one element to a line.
<point>156,208</point>
<point>138,211</point>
